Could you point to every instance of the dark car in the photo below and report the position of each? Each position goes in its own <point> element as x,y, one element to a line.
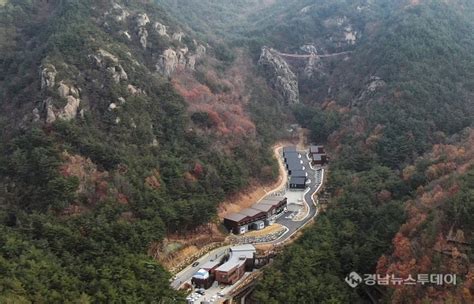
<point>201,291</point>
<point>195,264</point>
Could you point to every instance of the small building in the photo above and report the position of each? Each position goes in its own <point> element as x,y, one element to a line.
<point>289,149</point>
<point>297,182</point>
<point>291,155</point>
<point>241,259</point>
<point>236,222</point>
<point>294,166</point>
<point>319,159</point>
<point>272,206</point>
<point>299,173</point>
<point>318,155</point>
<point>240,222</point>
<point>202,279</point>
<point>258,225</point>
<point>211,266</point>
<point>316,149</point>
<point>292,162</point>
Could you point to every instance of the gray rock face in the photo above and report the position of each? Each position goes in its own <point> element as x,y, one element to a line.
<point>71,94</point>
<point>374,84</point>
<point>143,35</point>
<point>50,116</point>
<point>118,13</point>
<point>48,76</point>
<point>343,31</point>
<point>109,62</point>
<point>171,60</point>
<point>142,21</point>
<point>134,91</point>
<point>313,67</point>
<point>200,50</point>
<point>168,62</point>
<point>68,92</point>
<point>70,110</point>
<point>161,29</point>
<point>117,73</point>
<point>36,115</point>
<point>178,36</point>
<point>309,48</point>
<point>280,75</point>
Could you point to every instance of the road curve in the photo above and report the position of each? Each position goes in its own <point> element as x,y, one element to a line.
<point>292,226</point>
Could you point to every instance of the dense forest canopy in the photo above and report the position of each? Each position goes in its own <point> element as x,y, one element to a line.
<point>155,145</point>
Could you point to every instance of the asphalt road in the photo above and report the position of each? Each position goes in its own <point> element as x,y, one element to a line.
<point>293,226</point>
<point>188,272</point>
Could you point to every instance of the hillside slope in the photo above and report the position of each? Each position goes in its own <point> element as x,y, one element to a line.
<point>120,127</point>
<point>405,87</point>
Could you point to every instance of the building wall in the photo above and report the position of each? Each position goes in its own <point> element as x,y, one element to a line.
<point>232,276</point>
<point>297,186</point>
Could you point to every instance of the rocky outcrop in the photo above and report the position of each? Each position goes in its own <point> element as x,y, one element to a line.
<point>36,115</point>
<point>143,35</point>
<point>178,36</point>
<point>126,34</point>
<point>134,91</point>
<point>168,62</point>
<point>374,85</point>
<point>171,60</point>
<point>343,32</point>
<point>48,76</point>
<point>67,92</point>
<point>71,95</point>
<point>350,35</point>
<point>142,32</point>
<point>117,73</point>
<point>161,29</point>
<point>70,110</point>
<point>110,63</point>
<point>119,13</point>
<point>200,50</point>
<point>314,66</point>
<point>50,115</point>
<point>280,75</point>
<point>309,48</point>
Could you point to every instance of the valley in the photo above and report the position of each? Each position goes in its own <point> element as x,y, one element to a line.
<point>147,146</point>
<point>290,220</point>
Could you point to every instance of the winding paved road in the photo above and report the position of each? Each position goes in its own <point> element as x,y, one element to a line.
<point>313,187</point>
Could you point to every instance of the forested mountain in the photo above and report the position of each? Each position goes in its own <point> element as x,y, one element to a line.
<point>119,127</point>
<point>405,85</point>
<point>126,121</point>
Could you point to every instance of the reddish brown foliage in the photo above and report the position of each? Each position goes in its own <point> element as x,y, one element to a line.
<point>198,170</point>
<point>225,110</point>
<point>153,181</point>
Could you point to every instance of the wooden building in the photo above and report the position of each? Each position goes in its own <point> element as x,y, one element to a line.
<point>241,259</point>
<point>246,219</point>
<point>318,155</point>
<point>289,149</point>
<point>316,150</point>
<point>319,159</point>
<point>297,182</point>
<point>239,222</point>
<point>299,173</point>
<point>291,155</point>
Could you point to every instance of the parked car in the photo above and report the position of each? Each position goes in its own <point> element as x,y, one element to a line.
<point>195,264</point>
